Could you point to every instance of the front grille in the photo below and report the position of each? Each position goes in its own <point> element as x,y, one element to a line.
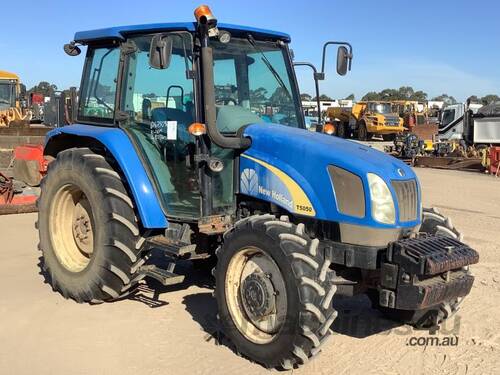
<point>392,121</point>
<point>407,196</point>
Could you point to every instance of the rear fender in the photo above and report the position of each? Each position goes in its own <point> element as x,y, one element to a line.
<point>119,145</point>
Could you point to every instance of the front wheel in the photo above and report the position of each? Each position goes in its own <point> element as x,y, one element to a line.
<point>274,291</point>
<point>363,134</point>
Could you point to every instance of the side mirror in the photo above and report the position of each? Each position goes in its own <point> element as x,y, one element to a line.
<point>342,60</point>
<point>71,49</point>
<point>160,51</point>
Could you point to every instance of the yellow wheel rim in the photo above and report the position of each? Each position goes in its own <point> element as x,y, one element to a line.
<point>71,228</point>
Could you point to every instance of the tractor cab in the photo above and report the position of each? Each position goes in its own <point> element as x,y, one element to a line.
<point>152,82</point>
<point>12,101</point>
<point>8,90</point>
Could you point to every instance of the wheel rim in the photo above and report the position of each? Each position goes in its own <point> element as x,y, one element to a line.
<point>256,295</point>
<point>71,228</point>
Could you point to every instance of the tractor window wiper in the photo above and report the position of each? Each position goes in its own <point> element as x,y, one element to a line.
<point>269,66</point>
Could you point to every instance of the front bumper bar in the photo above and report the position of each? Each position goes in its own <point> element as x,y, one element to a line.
<point>414,273</point>
<point>422,272</point>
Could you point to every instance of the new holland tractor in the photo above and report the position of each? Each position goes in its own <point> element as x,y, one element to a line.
<point>190,140</point>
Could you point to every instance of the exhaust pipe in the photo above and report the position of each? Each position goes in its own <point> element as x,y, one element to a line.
<point>208,23</point>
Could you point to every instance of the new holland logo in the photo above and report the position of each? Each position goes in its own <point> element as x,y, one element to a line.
<point>249,182</point>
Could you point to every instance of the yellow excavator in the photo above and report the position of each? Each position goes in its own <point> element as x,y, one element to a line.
<point>12,110</point>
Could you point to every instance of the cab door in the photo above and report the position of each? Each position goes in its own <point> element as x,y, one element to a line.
<point>160,106</point>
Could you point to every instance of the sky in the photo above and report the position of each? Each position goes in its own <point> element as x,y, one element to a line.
<point>435,46</point>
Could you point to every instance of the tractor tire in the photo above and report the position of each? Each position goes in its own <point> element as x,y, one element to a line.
<point>89,235</point>
<point>363,134</point>
<point>274,291</point>
<point>342,130</point>
<point>433,223</point>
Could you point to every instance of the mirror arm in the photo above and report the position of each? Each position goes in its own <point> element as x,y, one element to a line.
<point>348,45</point>
<point>317,76</point>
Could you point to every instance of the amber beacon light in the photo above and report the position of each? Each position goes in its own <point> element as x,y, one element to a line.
<point>204,15</point>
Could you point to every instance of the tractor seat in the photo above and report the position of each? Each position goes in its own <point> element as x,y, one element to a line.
<point>171,114</point>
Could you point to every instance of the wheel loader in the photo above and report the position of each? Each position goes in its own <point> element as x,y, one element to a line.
<point>292,217</point>
<point>12,112</point>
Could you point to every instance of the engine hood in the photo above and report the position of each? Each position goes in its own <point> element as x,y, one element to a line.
<point>304,156</point>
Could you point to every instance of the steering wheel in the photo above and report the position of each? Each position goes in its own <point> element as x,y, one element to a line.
<point>225,101</point>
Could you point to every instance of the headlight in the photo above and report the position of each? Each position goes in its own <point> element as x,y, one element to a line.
<point>382,203</point>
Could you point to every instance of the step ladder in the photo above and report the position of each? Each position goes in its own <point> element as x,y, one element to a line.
<point>175,245</point>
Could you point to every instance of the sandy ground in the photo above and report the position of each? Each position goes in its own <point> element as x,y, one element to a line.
<point>164,331</point>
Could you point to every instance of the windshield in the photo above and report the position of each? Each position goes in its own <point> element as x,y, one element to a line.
<point>383,108</point>
<point>7,97</point>
<point>253,83</point>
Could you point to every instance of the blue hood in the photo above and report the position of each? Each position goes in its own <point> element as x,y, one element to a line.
<point>304,156</point>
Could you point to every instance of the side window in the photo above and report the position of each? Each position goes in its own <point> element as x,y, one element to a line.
<point>97,100</point>
<point>226,87</point>
<point>448,117</point>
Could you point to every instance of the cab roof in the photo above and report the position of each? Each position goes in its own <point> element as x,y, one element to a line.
<point>121,32</point>
<point>8,75</point>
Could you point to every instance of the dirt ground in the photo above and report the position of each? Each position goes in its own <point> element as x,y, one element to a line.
<point>167,330</point>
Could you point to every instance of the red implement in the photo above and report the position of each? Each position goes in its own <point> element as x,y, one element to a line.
<point>495,160</point>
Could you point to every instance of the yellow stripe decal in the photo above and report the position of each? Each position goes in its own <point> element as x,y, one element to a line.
<point>301,202</point>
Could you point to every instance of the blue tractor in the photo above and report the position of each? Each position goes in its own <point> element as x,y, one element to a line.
<point>190,140</point>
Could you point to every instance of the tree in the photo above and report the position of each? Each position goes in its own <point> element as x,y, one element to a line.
<point>372,95</point>
<point>279,96</point>
<point>475,99</point>
<point>350,97</point>
<point>403,93</point>
<point>447,99</point>
<point>389,94</point>
<point>44,88</point>
<point>305,97</point>
<point>419,96</point>
<point>259,95</point>
<point>488,99</point>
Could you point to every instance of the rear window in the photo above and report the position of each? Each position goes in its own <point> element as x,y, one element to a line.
<point>97,96</point>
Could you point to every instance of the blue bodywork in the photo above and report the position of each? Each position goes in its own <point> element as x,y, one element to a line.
<point>305,156</point>
<point>120,146</point>
<point>121,32</point>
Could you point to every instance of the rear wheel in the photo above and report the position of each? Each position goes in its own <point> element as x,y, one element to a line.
<point>433,223</point>
<point>274,291</point>
<point>88,231</point>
